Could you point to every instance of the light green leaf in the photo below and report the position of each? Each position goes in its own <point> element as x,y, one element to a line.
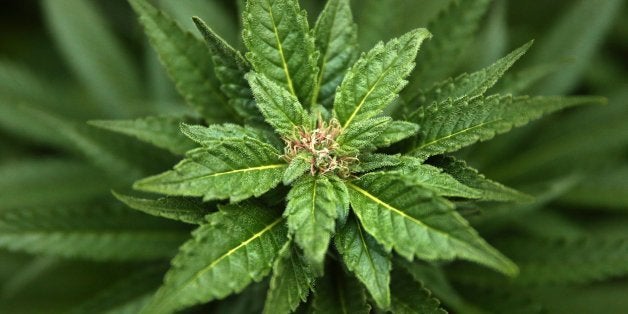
<point>338,292</point>
<point>234,169</point>
<point>432,178</point>
<point>367,259</point>
<point>280,45</point>
<point>361,134</point>
<point>281,109</point>
<point>370,162</point>
<point>311,213</point>
<point>336,37</point>
<point>342,195</point>
<point>410,297</point>
<point>299,165</point>
<point>209,136</point>
<point>236,247</point>
<point>183,209</point>
<point>394,132</point>
<point>187,61</point>
<point>230,68</point>
<point>474,84</point>
<point>416,222</point>
<point>454,30</point>
<point>291,282</point>
<point>95,233</point>
<point>376,78</point>
<point>162,132</point>
<point>489,190</point>
<point>94,53</point>
<point>451,125</point>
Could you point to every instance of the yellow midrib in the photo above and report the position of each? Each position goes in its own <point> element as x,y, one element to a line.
<point>281,53</point>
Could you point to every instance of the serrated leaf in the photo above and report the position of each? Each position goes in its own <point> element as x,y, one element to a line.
<point>453,31</point>
<point>434,179</point>
<point>311,213</point>
<point>162,132</point>
<point>489,190</point>
<point>280,46</point>
<point>209,136</point>
<point>416,222</point>
<point>342,196</point>
<point>451,125</point>
<point>394,132</point>
<point>361,134</point>
<point>370,162</point>
<point>46,182</point>
<point>236,247</point>
<point>338,292</point>
<point>367,259</point>
<point>410,297</point>
<point>474,84</point>
<point>94,54</point>
<point>281,109</point>
<point>234,169</point>
<point>291,282</point>
<point>183,209</point>
<point>187,61</point>
<point>95,233</point>
<point>299,165</point>
<point>335,35</point>
<point>376,78</point>
<point>230,67</point>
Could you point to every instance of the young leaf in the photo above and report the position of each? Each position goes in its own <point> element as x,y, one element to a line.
<point>489,190</point>
<point>209,136</point>
<point>162,132</point>
<point>230,68</point>
<point>434,179</point>
<point>299,165</point>
<point>291,282</point>
<point>360,136</point>
<point>394,132</point>
<point>376,78</point>
<point>187,61</point>
<point>451,125</point>
<point>367,259</point>
<point>474,84</point>
<point>416,222</point>
<point>311,213</point>
<point>337,292</point>
<point>336,38</point>
<point>370,162</point>
<point>183,209</point>
<point>236,246</point>
<point>95,233</point>
<point>235,169</point>
<point>280,46</point>
<point>281,109</point>
<point>410,297</point>
<point>342,196</point>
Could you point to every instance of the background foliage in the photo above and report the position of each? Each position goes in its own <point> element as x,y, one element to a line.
<point>58,171</point>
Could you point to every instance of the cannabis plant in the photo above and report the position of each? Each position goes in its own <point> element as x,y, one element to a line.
<point>310,176</point>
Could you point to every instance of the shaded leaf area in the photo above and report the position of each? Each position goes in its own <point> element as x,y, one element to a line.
<point>182,209</point>
<point>338,292</point>
<point>410,296</point>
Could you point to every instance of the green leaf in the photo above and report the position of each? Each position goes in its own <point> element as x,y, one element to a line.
<point>183,209</point>
<point>291,282</point>
<point>370,162</point>
<point>342,196</point>
<point>236,246</point>
<point>410,297</point>
<point>210,136</point>
<point>235,169</point>
<point>45,182</point>
<point>607,189</point>
<point>280,45</point>
<point>451,125</point>
<point>187,61</point>
<point>162,132</point>
<point>217,13</point>
<point>416,222</point>
<point>337,292</point>
<point>230,68</point>
<point>361,134</point>
<point>453,31</point>
<point>311,213</point>
<point>94,54</point>
<point>95,233</point>
<point>394,132</point>
<point>489,190</point>
<point>367,259</point>
<point>474,84</point>
<point>376,78</point>
<point>281,109</point>
<point>432,178</point>
<point>335,34</point>
<point>299,165</point>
